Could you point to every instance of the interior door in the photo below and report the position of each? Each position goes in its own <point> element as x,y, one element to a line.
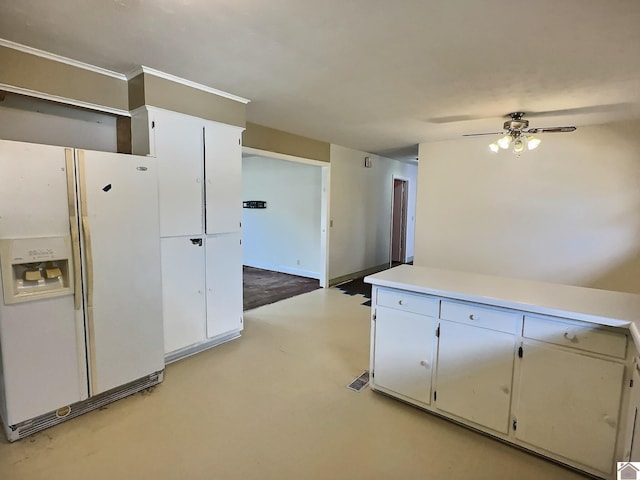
<point>399,221</point>
<point>119,218</point>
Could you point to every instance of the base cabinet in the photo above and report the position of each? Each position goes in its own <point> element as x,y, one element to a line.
<point>568,403</point>
<point>554,386</point>
<point>474,374</point>
<point>403,360</point>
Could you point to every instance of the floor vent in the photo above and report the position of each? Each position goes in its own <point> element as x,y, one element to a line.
<point>360,383</point>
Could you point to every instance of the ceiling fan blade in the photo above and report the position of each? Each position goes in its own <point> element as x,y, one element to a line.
<point>479,134</point>
<point>551,129</point>
<point>591,109</point>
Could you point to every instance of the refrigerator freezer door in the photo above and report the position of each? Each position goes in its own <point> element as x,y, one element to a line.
<point>40,358</point>
<point>120,228</point>
<point>41,341</point>
<point>33,190</point>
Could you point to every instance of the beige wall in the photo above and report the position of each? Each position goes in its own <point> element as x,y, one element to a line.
<point>272,140</point>
<point>37,74</point>
<point>148,89</point>
<point>32,72</point>
<point>568,212</point>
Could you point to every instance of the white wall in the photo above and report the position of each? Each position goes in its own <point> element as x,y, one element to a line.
<point>360,210</point>
<point>26,119</point>
<point>568,212</point>
<point>285,236</point>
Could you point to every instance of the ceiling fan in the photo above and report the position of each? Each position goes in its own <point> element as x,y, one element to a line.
<point>518,135</point>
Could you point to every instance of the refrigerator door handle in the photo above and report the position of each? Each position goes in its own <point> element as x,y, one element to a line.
<point>89,260</point>
<point>86,231</point>
<point>73,225</point>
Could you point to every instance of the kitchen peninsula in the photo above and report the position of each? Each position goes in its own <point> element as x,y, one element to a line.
<point>550,368</point>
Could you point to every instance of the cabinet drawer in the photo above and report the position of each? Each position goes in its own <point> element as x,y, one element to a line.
<point>408,302</point>
<point>580,336</point>
<point>473,314</point>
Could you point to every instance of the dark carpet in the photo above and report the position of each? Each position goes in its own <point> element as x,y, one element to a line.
<point>262,287</point>
<point>357,287</point>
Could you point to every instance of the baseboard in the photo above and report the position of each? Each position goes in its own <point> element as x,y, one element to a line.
<point>362,273</point>
<point>285,269</point>
<point>200,347</point>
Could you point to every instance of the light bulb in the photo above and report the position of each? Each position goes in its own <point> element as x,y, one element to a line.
<point>494,147</point>
<point>518,146</point>
<point>533,142</point>
<point>504,141</point>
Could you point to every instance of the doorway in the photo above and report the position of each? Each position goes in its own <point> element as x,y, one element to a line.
<point>399,209</point>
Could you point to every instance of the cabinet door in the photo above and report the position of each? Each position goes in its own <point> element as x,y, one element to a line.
<point>403,353</point>
<point>179,149</point>
<point>224,284</point>
<point>183,292</point>
<point>568,404</point>
<point>634,413</point>
<point>474,374</point>
<point>223,173</point>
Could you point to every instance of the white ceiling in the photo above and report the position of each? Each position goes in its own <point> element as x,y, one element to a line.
<point>374,75</point>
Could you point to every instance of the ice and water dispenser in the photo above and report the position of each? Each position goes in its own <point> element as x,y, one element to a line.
<point>35,268</point>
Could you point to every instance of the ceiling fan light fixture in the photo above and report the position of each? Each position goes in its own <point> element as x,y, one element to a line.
<point>504,142</point>
<point>533,142</point>
<point>518,146</point>
<point>494,147</point>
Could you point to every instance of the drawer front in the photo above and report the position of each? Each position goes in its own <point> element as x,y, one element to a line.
<point>580,336</point>
<point>473,314</point>
<point>409,302</point>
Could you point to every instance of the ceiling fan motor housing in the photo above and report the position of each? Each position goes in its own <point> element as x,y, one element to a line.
<point>516,122</point>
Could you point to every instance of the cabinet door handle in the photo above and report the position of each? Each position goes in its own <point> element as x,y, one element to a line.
<point>610,421</point>
<point>471,317</point>
<point>425,364</point>
<point>399,302</point>
<point>569,336</point>
<point>505,389</point>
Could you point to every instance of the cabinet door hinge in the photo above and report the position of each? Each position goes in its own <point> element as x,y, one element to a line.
<point>631,383</point>
<point>520,351</point>
<point>515,424</point>
<point>438,331</point>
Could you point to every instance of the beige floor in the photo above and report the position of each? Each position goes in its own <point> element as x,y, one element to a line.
<point>270,405</point>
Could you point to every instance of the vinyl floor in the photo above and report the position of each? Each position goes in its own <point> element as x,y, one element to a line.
<point>273,404</point>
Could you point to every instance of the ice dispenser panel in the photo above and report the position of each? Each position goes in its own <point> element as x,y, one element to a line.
<point>35,268</point>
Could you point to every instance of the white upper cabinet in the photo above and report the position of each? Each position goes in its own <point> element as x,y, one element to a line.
<point>178,146</point>
<point>223,174</point>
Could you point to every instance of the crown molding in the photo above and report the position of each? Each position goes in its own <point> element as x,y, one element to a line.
<point>182,81</point>
<point>61,59</point>
<point>64,100</point>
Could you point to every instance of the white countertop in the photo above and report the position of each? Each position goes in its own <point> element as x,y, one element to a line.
<point>603,307</point>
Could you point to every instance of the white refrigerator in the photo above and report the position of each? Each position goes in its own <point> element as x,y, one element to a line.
<point>81,310</point>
